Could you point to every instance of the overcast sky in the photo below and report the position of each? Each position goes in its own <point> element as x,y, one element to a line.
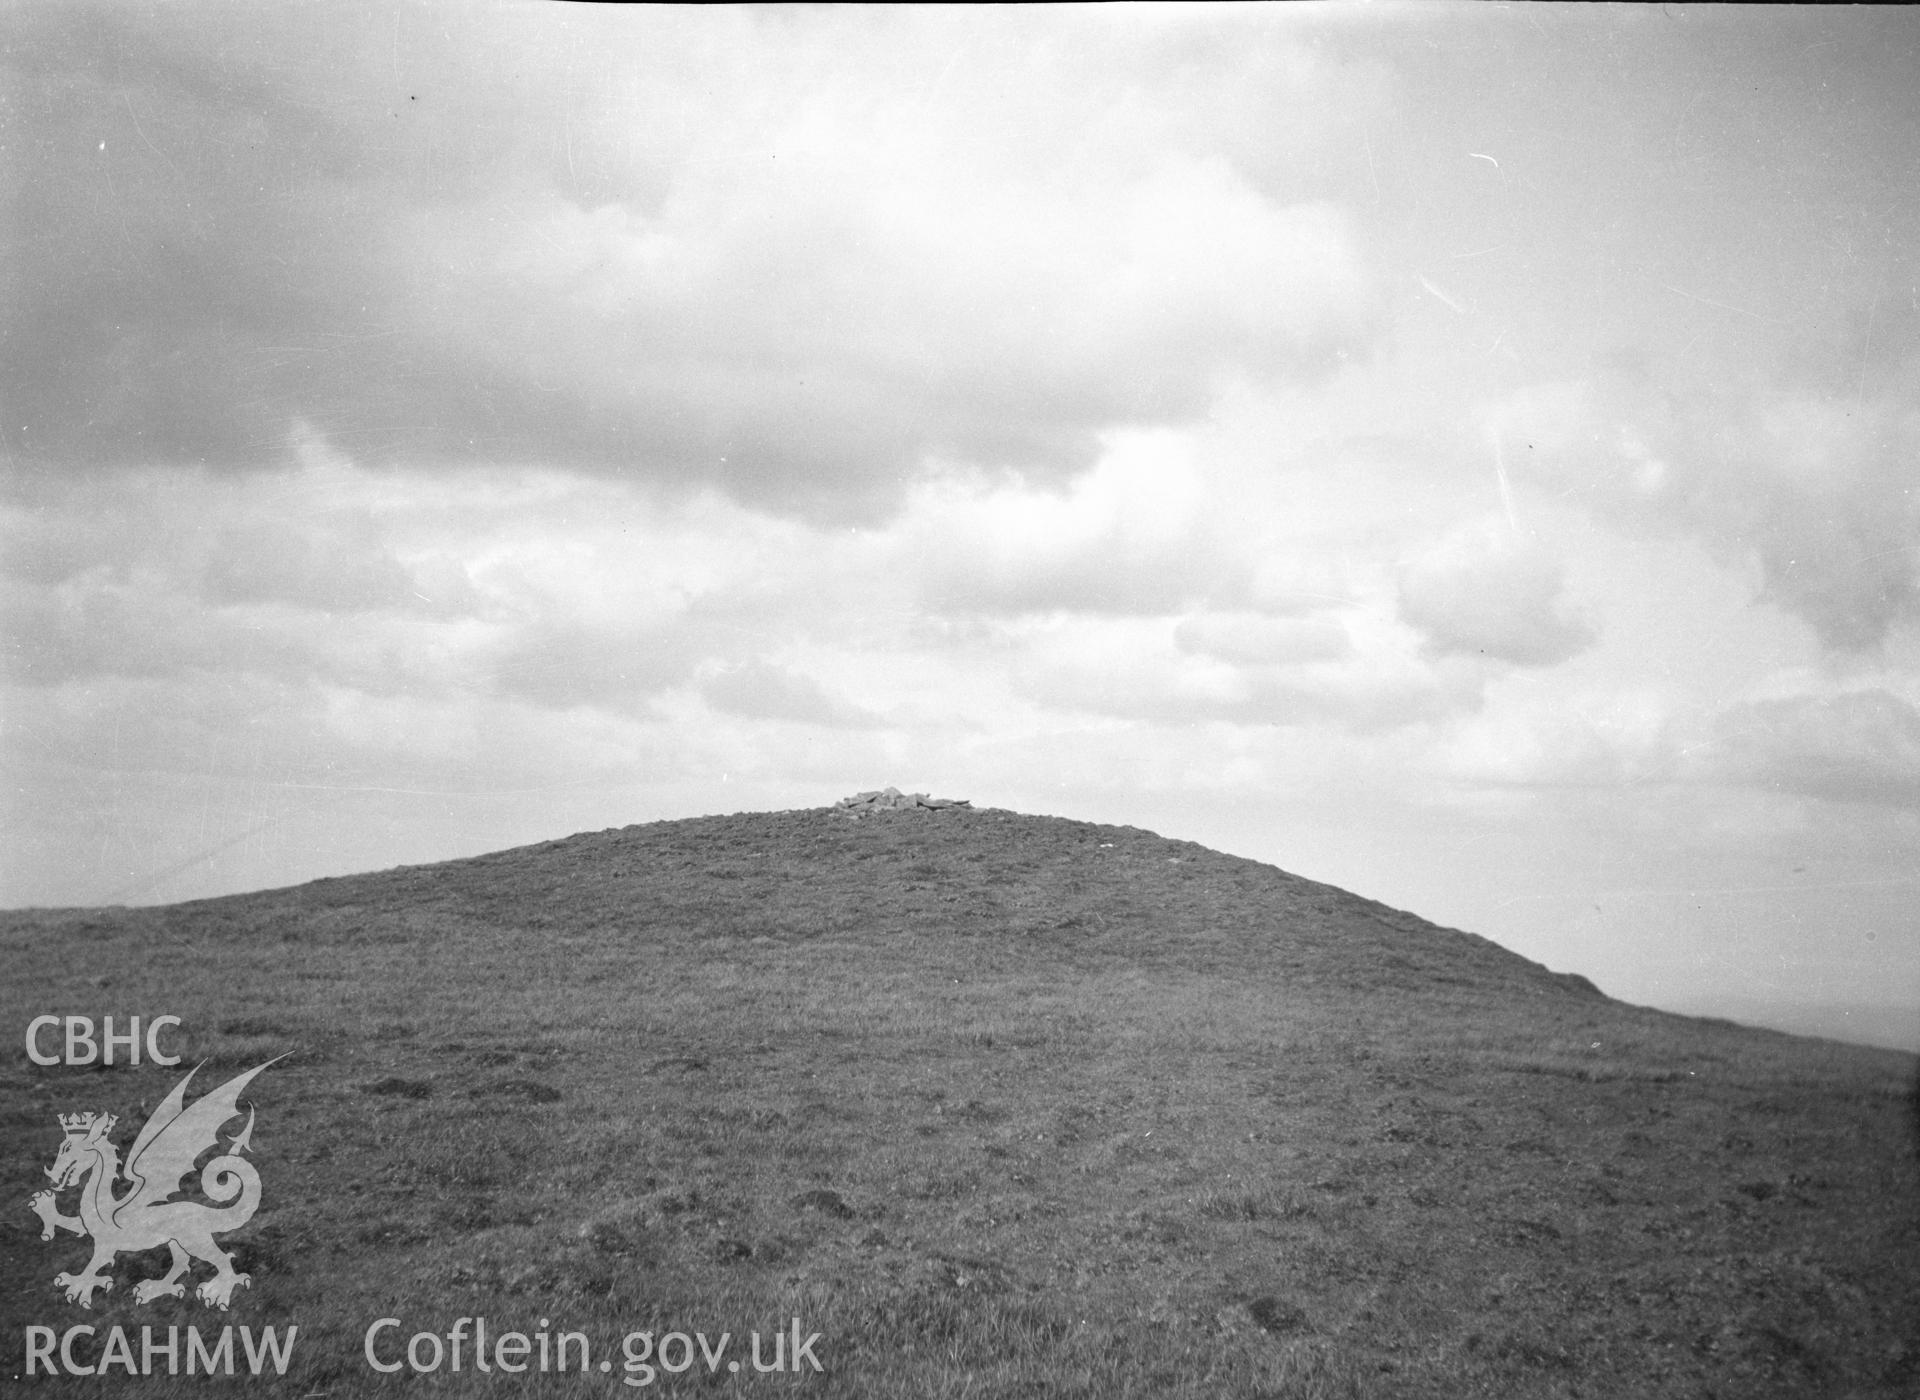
<point>1463,453</point>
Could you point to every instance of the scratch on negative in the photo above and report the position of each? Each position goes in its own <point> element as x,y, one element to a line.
<point>1709,301</point>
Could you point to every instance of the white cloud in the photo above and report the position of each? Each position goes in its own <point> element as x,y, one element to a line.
<point>1860,746</point>
<point>1133,534</point>
<point>1253,639</point>
<point>762,690</point>
<point>743,250</point>
<point>1594,739</point>
<point>1484,591</point>
<point>1139,668</point>
<point>1810,484</point>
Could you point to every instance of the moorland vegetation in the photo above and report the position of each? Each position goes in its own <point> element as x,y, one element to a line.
<point>999,1105</point>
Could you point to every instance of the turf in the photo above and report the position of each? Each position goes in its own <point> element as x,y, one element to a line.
<point>999,1105</point>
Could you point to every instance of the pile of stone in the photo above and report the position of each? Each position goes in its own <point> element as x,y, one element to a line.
<point>893,800</point>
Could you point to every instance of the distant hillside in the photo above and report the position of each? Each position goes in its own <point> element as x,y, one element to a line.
<point>1890,1025</point>
<point>997,1104</point>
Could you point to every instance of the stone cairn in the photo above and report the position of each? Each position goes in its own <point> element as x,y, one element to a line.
<point>893,800</point>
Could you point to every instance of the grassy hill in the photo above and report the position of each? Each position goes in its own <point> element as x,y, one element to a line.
<point>998,1105</point>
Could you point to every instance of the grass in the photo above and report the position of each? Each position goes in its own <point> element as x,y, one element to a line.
<point>998,1105</point>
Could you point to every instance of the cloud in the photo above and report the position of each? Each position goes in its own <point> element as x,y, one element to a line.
<point>1483,591</point>
<point>1856,747</point>
<point>1152,670</point>
<point>1133,535</point>
<point>1809,482</point>
<point>321,573</point>
<point>1585,739</point>
<point>165,572</point>
<point>761,690</point>
<point>563,665</point>
<point>1251,639</point>
<point>746,250</point>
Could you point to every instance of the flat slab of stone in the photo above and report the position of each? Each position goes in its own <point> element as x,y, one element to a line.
<point>891,799</point>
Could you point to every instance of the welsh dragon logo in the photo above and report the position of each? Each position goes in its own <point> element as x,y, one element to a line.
<point>145,1217</point>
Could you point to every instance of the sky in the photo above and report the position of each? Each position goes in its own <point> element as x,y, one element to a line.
<point>1467,454</point>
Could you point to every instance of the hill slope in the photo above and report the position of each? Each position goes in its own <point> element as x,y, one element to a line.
<point>997,1105</point>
